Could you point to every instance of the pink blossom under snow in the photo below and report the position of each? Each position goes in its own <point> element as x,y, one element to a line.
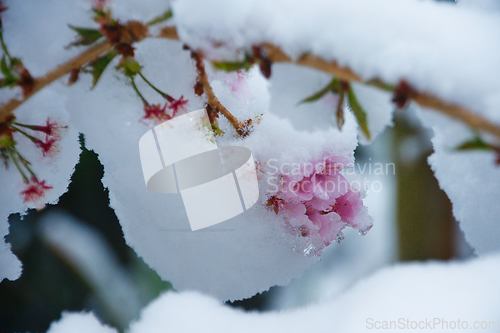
<point>318,202</point>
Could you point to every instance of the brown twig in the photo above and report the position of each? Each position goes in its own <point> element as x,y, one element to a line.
<point>168,33</point>
<point>75,63</point>
<point>274,54</point>
<point>214,105</point>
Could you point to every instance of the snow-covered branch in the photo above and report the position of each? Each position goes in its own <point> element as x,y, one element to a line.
<point>275,55</point>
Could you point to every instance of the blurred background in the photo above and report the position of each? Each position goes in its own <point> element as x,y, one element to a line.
<point>75,258</point>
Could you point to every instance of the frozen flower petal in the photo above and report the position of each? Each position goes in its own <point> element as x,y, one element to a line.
<point>348,206</point>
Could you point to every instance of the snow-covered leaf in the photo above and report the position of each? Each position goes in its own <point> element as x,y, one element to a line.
<point>359,113</point>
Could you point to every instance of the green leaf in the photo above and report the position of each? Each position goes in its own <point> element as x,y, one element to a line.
<point>87,36</point>
<point>231,66</point>
<point>217,130</point>
<point>99,65</point>
<point>334,86</point>
<point>8,83</point>
<point>4,68</point>
<point>162,18</point>
<point>317,95</point>
<point>340,111</point>
<point>476,143</point>
<point>15,62</point>
<point>6,142</point>
<point>101,15</point>
<point>9,78</point>
<point>381,84</point>
<point>358,111</point>
<point>129,66</point>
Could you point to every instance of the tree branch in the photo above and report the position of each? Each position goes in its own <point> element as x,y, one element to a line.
<point>213,101</point>
<point>89,54</point>
<point>423,99</point>
<point>274,54</point>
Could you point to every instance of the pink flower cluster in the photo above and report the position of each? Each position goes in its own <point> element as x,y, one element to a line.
<point>318,202</point>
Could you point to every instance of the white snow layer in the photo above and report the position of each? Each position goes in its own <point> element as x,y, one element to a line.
<point>82,322</point>
<point>232,260</point>
<point>40,46</point>
<point>434,295</point>
<point>436,46</point>
<point>55,170</point>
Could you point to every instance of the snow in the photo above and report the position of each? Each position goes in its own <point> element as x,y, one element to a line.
<point>432,293</point>
<point>289,84</point>
<point>129,10</point>
<point>38,44</point>
<point>56,170</point>
<point>10,266</point>
<point>283,123</point>
<point>79,323</point>
<point>239,257</point>
<point>436,46</point>
<point>465,291</point>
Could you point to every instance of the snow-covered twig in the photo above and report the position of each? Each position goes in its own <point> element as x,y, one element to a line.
<point>213,102</point>
<point>426,100</point>
<point>88,55</point>
<point>274,54</point>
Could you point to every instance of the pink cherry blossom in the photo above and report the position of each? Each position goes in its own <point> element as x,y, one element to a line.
<point>318,202</point>
<point>348,206</point>
<point>297,190</point>
<point>329,224</point>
